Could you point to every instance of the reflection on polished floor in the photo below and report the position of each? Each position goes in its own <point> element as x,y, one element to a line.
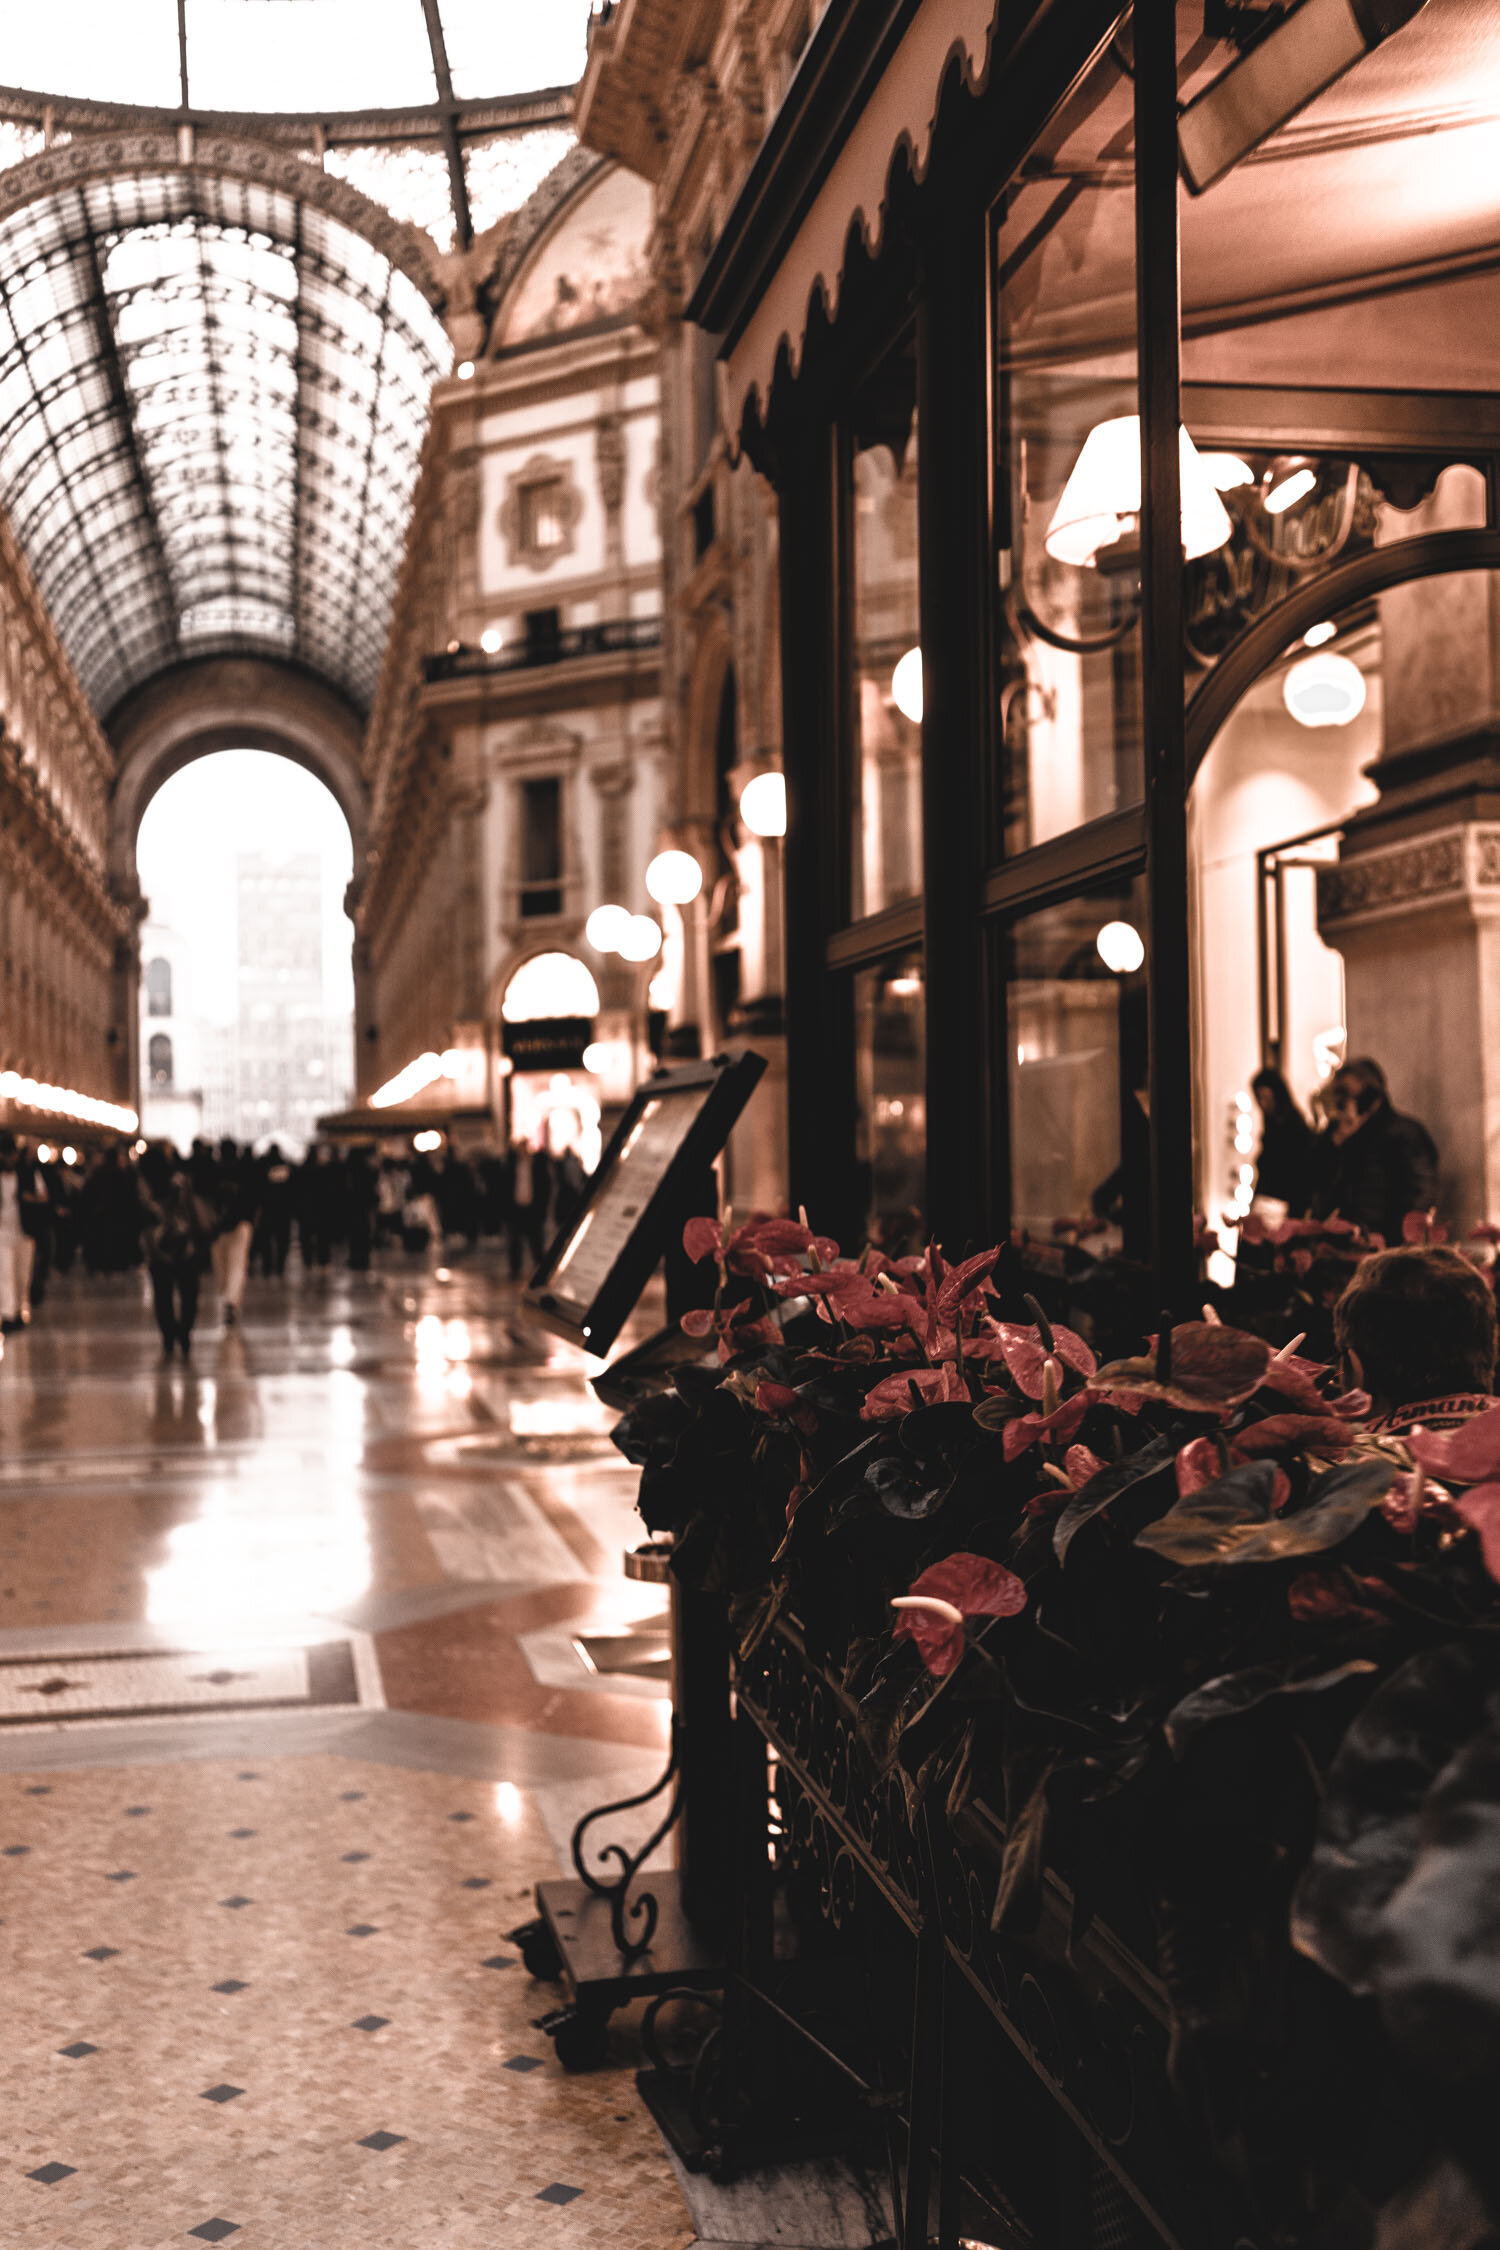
<point>310,1655</point>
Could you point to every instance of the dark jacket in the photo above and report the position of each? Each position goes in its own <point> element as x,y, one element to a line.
<point>1382,1172</point>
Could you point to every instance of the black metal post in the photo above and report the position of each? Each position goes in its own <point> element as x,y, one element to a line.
<point>1158,324</point>
<point>819,1007</point>
<point>954,360</point>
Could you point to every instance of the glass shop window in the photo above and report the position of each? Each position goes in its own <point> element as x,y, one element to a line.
<point>891,1080</point>
<point>886,843</point>
<point>159,1061</point>
<point>541,847</point>
<point>1076,1025</point>
<point>543,528</point>
<point>158,987</point>
<point>1068,488</point>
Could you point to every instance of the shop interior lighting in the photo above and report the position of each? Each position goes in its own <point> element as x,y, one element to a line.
<point>1227,472</point>
<point>641,940</point>
<point>1285,69</point>
<point>1316,635</point>
<point>62,1101</point>
<point>606,927</point>
<point>426,1143</point>
<point>1324,690</point>
<point>1288,480</point>
<point>406,1083</point>
<point>763,804</point>
<point>45,1153</point>
<point>70,1156</point>
<point>1100,505</point>
<point>1120,948</point>
<point>906,686</point>
<point>492,640</point>
<point>674,878</point>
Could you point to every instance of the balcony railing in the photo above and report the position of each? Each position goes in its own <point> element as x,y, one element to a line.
<point>615,636</point>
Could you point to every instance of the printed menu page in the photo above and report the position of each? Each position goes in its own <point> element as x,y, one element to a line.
<point>618,1200</point>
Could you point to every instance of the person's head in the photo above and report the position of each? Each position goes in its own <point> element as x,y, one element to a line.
<point>1272,1093</point>
<point>228,1150</point>
<point>1417,1324</point>
<point>1356,1090</point>
<point>10,1155</point>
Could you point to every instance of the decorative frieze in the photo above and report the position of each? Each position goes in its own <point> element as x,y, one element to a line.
<point>1453,863</point>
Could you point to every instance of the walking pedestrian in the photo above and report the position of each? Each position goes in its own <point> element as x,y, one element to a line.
<point>178,1232</point>
<point>237,1204</point>
<point>17,1198</point>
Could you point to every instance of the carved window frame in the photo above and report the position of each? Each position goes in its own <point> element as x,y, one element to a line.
<point>521,552</point>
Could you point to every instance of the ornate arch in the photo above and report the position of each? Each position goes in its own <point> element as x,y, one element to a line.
<point>152,151</point>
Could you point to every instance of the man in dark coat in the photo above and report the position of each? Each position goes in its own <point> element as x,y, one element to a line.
<point>1377,1164</point>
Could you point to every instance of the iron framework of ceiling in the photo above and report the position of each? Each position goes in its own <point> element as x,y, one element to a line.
<point>212,404</point>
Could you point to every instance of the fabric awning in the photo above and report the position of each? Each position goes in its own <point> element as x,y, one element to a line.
<point>902,110</point>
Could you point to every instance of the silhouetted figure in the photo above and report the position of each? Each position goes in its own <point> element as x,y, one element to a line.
<point>178,1232</point>
<point>1416,1329</point>
<point>530,1204</point>
<point>1376,1164</point>
<point>110,1215</point>
<point>1287,1162</point>
<point>276,1194</point>
<point>236,1200</point>
<point>18,1228</point>
<point>361,1196</point>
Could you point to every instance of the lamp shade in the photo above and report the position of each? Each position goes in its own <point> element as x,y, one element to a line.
<point>606,926</point>
<point>763,804</point>
<point>906,686</point>
<point>674,878</point>
<point>1324,690</point>
<point>1101,500</point>
<point>642,940</point>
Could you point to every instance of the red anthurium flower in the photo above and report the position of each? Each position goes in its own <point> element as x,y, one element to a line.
<point>702,1238</point>
<point>1486,1231</point>
<point>1081,1463</point>
<point>1468,1455</point>
<point>1325,1433</point>
<point>1056,1428</point>
<point>1198,1463</point>
<point>1422,1226</point>
<point>1325,1597</point>
<point>698,1323</point>
<point>1026,1356</point>
<point>959,1586</point>
<point>892,1399</point>
<point>774,1398</point>
<point>964,1281</point>
<point>1479,1508</point>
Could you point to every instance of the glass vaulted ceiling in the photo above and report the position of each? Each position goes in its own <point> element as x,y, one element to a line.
<point>212,395</point>
<point>212,400</point>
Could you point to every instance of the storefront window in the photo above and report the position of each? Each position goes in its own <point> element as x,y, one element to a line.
<point>886,845</point>
<point>891,1076</point>
<point>1076,1022</point>
<point>1068,487</point>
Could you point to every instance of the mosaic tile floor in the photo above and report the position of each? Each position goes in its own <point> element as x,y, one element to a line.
<point>251,1924</point>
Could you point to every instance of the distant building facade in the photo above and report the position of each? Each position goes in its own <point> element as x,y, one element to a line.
<point>286,1058</point>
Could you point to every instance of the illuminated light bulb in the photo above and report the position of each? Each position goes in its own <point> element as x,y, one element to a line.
<point>492,640</point>
<point>1286,482</point>
<point>606,927</point>
<point>1101,501</point>
<point>1324,690</point>
<point>70,1156</point>
<point>674,878</point>
<point>641,940</point>
<point>906,686</point>
<point>1316,635</point>
<point>425,1143</point>
<point>1226,471</point>
<point>44,1153</point>
<point>596,1056</point>
<point>465,371</point>
<point>763,804</point>
<point>1120,948</point>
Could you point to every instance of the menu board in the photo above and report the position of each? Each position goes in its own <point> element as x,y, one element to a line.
<point>589,1282</point>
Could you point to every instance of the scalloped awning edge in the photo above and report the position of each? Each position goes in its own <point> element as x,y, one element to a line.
<point>901,113</point>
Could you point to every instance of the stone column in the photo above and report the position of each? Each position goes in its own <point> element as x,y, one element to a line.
<point>1413,903</point>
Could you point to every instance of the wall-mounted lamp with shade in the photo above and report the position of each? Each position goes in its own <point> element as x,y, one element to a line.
<point>1100,505</point>
<point>763,804</point>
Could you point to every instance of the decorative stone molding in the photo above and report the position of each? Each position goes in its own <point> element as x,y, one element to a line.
<point>1454,863</point>
<point>521,549</point>
<point>236,157</point>
<point>609,459</point>
<point>518,235</point>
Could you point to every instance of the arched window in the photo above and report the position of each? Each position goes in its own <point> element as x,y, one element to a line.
<point>158,987</point>
<point>159,1061</point>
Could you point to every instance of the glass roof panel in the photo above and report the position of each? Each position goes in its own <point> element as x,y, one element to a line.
<point>502,172</point>
<point>412,183</point>
<point>299,57</point>
<point>319,55</point>
<point>212,402</point>
<point>514,45</point>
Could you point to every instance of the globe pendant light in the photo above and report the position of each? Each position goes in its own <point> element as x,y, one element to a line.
<point>1324,690</point>
<point>1100,505</point>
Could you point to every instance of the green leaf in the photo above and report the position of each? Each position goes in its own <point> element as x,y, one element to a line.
<point>1095,1496</point>
<point>1204,1526</point>
<point>1231,1521</point>
<point>1234,1692</point>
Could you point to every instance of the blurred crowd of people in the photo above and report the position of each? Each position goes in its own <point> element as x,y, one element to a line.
<point>229,1210</point>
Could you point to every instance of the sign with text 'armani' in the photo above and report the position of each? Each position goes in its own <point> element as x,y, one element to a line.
<point>548,1042</point>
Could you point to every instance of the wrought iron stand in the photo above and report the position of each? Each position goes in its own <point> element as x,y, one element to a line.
<point>608,1939</point>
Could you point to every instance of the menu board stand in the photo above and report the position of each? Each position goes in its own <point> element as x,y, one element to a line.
<point>648,1181</point>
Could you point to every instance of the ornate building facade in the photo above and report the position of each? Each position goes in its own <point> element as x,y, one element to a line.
<point>67,945</point>
<point>682,94</point>
<point>514,751</point>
